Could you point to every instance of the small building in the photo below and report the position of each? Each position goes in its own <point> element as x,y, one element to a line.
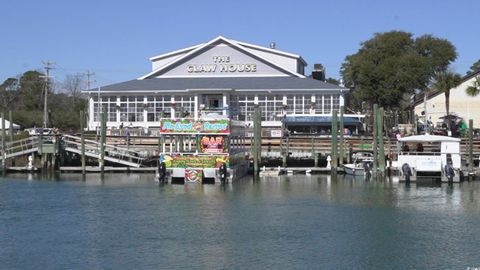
<point>461,104</point>
<point>220,76</point>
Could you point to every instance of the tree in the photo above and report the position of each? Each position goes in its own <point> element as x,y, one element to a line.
<point>474,89</point>
<point>8,93</point>
<point>444,82</point>
<point>73,85</point>
<point>474,68</point>
<point>31,90</point>
<point>392,64</point>
<point>332,81</point>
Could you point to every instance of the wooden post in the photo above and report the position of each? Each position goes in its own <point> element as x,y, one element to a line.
<point>82,139</point>
<point>285,154</point>
<point>314,153</point>
<point>259,131</point>
<point>470,147</point>
<point>4,143</point>
<point>102,142</point>
<point>40,149</point>
<point>342,138</point>
<point>375,140</point>
<point>381,149</point>
<point>256,140</point>
<point>334,151</point>
<point>11,133</point>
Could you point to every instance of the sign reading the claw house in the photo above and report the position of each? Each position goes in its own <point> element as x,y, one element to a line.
<point>172,126</point>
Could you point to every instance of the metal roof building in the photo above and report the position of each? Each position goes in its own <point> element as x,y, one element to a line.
<point>223,76</point>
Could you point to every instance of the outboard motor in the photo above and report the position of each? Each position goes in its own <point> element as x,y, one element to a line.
<point>162,172</point>
<point>407,172</point>
<point>449,172</point>
<point>368,170</point>
<point>223,173</point>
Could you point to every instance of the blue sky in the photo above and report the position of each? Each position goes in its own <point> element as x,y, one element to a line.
<point>114,39</point>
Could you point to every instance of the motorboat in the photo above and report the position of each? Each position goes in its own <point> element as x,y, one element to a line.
<point>432,156</point>
<point>362,164</point>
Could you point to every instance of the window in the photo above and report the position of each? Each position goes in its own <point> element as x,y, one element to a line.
<point>184,106</point>
<point>327,104</point>
<point>162,107</point>
<point>107,104</point>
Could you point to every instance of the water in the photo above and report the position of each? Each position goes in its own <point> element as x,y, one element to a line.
<point>296,222</point>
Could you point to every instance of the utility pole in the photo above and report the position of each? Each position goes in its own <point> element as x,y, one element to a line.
<point>89,81</point>
<point>89,74</point>
<point>48,67</point>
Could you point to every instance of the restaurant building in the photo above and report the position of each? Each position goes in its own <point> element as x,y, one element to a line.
<point>222,76</point>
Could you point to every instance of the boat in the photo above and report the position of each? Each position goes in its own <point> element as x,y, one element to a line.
<point>432,156</point>
<point>362,164</point>
<point>207,149</point>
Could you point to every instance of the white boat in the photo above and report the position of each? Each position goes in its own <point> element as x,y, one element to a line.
<point>362,164</point>
<point>441,152</point>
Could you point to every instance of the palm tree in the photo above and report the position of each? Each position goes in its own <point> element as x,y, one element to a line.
<point>445,81</point>
<point>474,89</point>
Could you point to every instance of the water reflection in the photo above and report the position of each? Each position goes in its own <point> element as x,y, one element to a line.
<point>294,221</point>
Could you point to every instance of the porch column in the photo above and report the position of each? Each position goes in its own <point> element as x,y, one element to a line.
<point>195,107</point>
<point>172,108</point>
<point>224,104</point>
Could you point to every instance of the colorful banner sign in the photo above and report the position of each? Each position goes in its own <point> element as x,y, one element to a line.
<point>219,126</point>
<point>190,161</point>
<point>193,175</point>
<point>212,144</point>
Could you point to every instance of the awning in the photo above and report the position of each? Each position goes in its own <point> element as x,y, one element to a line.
<point>309,120</point>
<point>429,138</point>
<point>7,125</point>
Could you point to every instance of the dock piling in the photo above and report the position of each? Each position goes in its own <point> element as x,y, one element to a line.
<point>334,152</point>
<point>342,137</point>
<point>11,133</point>
<point>82,139</point>
<point>257,139</point>
<point>102,142</point>
<point>381,149</point>
<point>4,143</point>
<point>470,147</point>
<point>375,139</point>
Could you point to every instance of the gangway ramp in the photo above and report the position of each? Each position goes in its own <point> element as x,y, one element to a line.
<point>115,154</point>
<point>20,147</point>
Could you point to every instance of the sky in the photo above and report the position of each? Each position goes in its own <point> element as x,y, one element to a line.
<point>115,39</point>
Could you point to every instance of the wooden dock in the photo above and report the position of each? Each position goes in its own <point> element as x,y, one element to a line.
<point>96,169</point>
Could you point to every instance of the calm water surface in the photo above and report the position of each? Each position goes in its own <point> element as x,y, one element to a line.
<point>294,222</point>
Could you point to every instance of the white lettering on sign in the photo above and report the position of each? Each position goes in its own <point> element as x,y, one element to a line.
<point>221,59</point>
<point>224,66</point>
<point>201,68</point>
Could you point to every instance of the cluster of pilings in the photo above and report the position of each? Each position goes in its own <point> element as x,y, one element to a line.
<point>338,141</point>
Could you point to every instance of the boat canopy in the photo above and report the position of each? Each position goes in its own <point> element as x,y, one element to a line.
<point>429,138</point>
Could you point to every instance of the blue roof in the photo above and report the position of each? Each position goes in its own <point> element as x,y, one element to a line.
<point>319,120</point>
